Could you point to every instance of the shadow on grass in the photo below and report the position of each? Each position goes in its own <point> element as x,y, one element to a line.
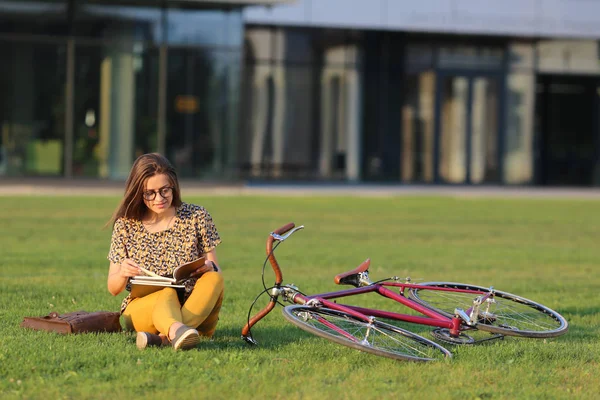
<point>567,312</point>
<point>579,319</point>
<point>267,337</point>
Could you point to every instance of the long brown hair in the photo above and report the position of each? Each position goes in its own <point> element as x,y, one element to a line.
<point>146,166</point>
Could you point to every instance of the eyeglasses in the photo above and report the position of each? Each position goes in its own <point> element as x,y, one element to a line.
<point>164,192</point>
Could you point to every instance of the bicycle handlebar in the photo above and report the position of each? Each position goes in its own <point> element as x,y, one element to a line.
<point>279,235</point>
<point>272,260</point>
<point>284,229</point>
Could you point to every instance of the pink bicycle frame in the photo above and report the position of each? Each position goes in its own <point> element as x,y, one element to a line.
<point>432,318</point>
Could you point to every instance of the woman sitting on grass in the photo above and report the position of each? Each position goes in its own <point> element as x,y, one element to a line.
<point>154,229</point>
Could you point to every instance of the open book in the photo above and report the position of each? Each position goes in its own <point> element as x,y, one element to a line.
<point>143,285</point>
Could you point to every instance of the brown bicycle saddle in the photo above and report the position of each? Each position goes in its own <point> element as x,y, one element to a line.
<point>351,277</point>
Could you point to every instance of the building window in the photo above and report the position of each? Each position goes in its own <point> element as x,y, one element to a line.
<point>119,23</point>
<point>470,57</point>
<point>301,108</point>
<point>32,107</point>
<point>48,18</point>
<point>206,28</point>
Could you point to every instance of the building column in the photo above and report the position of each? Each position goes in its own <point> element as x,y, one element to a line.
<point>340,114</point>
<point>353,118</point>
<point>122,120</point>
<point>117,113</point>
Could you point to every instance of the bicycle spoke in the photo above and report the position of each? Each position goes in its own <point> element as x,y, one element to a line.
<point>503,313</point>
<point>369,335</point>
<point>521,316</point>
<point>374,337</point>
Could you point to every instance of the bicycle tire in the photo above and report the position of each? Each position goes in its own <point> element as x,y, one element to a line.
<point>512,315</point>
<point>380,338</point>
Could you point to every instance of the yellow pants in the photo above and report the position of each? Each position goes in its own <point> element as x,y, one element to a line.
<point>156,312</point>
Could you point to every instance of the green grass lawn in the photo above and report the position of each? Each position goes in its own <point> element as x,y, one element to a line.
<point>53,258</point>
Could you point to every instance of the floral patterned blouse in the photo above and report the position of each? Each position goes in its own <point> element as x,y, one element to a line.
<point>192,234</point>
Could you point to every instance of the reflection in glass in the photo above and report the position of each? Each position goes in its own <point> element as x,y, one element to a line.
<point>262,146</point>
<point>267,103</point>
<point>119,22</point>
<point>299,47</point>
<point>453,128</point>
<point>34,17</point>
<point>521,56</point>
<point>419,57</point>
<point>87,116</point>
<point>566,114</point>
<point>569,56</point>
<point>340,114</point>
<point>474,57</point>
<point>200,110</point>
<point>300,120</point>
<point>418,128</point>
<point>268,134</point>
<point>518,149</point>
<point>259,44</point>
<point>204,27</point>
<point>484,131</point>
<point>32,104</point>
<point>333,140</point>
<point>281,122</point>
<point>115,108</point>
<point>189,143</point>
<point>146,99</point>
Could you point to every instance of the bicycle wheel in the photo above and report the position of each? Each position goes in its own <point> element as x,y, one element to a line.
<point>507,314</point>
<point>375,337</point>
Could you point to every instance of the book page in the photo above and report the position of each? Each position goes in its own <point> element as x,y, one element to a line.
<point>143,278</point>
<point>183,271</point>
<point>151,276</point>
<point>149,273</point>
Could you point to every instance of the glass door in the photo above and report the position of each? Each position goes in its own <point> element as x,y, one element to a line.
<point>567,119</point>
<point>467,140</point>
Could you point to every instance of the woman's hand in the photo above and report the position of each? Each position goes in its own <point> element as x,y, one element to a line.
<point>207,267</point>
<point>129,268</point>
<point>118,274</point>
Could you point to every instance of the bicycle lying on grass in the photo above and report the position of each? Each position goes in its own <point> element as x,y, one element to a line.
<point>454,309</point>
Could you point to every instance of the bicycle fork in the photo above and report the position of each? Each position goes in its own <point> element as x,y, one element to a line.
<point>475,314</point>
<point>365,340</point>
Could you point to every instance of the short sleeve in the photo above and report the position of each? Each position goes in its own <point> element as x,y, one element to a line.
<point>117,252</point>
<point>209,236</point>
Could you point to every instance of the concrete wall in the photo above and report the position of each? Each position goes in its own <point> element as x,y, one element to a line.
<point>546,18</point>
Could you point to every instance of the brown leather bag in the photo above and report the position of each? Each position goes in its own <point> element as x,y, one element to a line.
<point>75,322</point>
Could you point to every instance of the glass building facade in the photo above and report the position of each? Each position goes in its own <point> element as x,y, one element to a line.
<point>86,86</point>
<point>363,105</point>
